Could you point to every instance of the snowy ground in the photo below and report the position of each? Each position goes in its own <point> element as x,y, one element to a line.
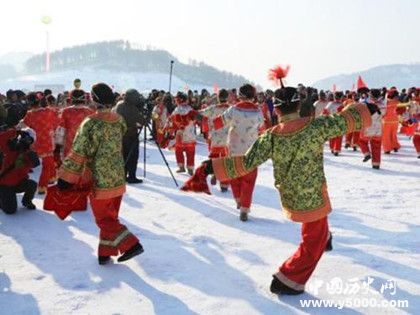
<point>200,259</point>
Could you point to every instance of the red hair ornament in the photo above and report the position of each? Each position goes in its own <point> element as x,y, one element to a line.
<point>277,74</point>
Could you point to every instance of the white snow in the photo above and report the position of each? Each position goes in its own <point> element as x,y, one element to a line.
<point>200,259</point>
<point>120,81</point>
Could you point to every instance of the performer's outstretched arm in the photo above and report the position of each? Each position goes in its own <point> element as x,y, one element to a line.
<point>233,167</point>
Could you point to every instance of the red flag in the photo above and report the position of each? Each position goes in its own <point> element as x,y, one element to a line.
<point>361,83</point>
<point>197,183</point>
<point>215,88</point>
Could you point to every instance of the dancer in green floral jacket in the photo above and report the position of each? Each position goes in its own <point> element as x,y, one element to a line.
<point>295,146</point>
<point>98,147</point>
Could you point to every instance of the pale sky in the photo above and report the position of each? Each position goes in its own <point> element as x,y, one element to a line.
<point>318,38</point>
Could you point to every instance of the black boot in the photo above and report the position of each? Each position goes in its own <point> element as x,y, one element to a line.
<point>387,152</point>
<point>134,180</point>
<point>367,158</point>
<point>336,153</point>
<point>376,167</point>
<point>346,146</point>
<point>132,252</point>
<point>103,260</point>
<point>354,148</point>
<point>243,216</point>
<point>278,287</point>
<point>395,150</point>
<point>329,246</point>
<point>224,189</point>
<point>28,205</point>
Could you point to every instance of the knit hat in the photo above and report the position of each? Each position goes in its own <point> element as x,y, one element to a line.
<point>247,91</point>
<point>181,96</point>
<point>102,94</point>
<point>132,96</point>
<point>12,117</point>
<point>392,93</point>
<point>33,98</point>
<point>285,96</point>
<point>376,93</point>
<point>223,95</point>
<point>77,96</point>
<point>338,95</point>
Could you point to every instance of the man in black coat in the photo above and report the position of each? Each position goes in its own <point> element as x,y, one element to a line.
<point>129,109</point>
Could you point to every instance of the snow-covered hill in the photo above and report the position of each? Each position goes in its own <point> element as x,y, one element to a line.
<point>200,259</point>
<point>399,75</point>
<point>121,81</point>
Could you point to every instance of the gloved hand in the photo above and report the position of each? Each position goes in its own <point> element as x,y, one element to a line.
<point>63,185</point>
<point>209,167</point>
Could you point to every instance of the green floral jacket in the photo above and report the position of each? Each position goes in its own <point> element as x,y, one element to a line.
<point>295,146</point>
<point>98,146</point>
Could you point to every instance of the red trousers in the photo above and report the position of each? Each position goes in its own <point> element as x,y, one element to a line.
<point>297,269</point>
<point>217,152</point>
<point>160,138</point>
<point>189,152</point>
<point>114,237</point>
<point>352,138</point>
<point>242,189</point>
<point>47,171</point>
<point>335,144</point>
<point>416,141</point>
<point>374,151</point>
<point>389,136</point>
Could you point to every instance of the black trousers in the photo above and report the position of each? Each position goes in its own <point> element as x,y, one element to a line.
<point>8,200</point>
<point>131,155</point>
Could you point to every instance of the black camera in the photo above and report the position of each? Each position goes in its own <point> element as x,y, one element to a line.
<point>22,142</point>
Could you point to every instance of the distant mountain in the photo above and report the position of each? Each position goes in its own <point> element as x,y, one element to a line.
<point>59,81</point>
<point>11,64</point>
<point>119,57</point>
<point>399,75</point>
<point>15,59</point>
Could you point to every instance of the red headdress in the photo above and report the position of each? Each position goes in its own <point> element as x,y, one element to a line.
<point>277,74</point>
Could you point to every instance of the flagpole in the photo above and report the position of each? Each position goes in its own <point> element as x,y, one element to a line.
<point>47,52</point>
<point>46,20</point>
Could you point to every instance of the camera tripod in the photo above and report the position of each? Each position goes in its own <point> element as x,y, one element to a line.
<point>145,128</point>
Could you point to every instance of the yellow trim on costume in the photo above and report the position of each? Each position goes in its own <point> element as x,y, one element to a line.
<point>108,193</point>
<point>313,214</point>
<point>117,240</point>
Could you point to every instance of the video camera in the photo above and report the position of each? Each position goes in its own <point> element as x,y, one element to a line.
<point>146,106</point>
<point>22,142</point>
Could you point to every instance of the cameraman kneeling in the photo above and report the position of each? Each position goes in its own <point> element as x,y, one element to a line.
<point>16,160</point>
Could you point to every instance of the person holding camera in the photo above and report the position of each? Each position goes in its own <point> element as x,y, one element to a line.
<point>16,160</point>
<point>131,109</point>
